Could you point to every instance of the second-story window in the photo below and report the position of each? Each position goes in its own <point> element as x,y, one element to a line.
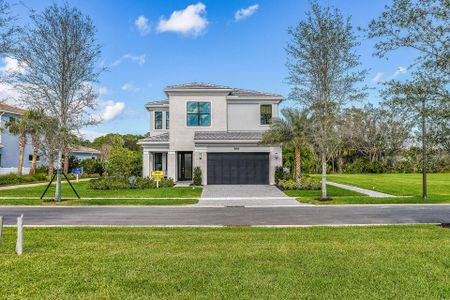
<point>167,120</point>
<point>198,114</point>
<point>266,114</point>
<point>158,120</point>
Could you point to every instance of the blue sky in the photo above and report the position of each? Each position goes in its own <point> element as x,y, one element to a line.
<point>148,45</point>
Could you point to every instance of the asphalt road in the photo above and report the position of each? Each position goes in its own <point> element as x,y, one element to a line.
<point>233,216</point>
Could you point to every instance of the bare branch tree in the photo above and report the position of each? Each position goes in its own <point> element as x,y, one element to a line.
<point>323,74</point>
<point>59,53</point>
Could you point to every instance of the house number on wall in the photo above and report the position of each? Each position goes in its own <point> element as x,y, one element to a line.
<point>236,148</point>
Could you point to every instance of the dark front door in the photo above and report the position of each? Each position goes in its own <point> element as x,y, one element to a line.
<point>238,168</point>
<point>184,166</point>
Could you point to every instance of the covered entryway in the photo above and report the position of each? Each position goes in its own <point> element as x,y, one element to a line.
<point>238,168</point>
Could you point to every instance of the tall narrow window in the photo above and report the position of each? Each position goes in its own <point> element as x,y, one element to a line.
<point>158,119</point>
<point>198,114</point>
<point>167,120</point>
<point>158,162</point>
<point>266,114</point>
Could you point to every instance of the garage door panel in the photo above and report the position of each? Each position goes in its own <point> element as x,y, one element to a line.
<point>238,168</point>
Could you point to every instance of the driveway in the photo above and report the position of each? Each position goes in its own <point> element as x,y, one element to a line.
<point>241,191</point>
<point>245,195</point>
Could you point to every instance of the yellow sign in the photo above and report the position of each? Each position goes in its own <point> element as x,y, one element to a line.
<point>157,175</point>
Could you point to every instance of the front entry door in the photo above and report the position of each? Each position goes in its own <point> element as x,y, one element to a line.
<point>184,166</point>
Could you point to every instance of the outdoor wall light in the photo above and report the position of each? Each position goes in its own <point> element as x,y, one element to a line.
<point>276,155</point>
<point>200,155</point>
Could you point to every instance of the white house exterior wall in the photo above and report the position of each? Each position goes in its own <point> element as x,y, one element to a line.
<point>246,116</point>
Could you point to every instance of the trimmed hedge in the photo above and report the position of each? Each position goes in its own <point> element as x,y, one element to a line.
<point>290,184</point>
<point>13,179</point>
<point>122,183</point>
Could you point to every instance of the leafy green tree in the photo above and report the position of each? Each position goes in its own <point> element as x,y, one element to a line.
<point>35,120</point>
<point>422,26</point>
<point>291,131</point>
<point>323,73</point>
<point>120,162</point>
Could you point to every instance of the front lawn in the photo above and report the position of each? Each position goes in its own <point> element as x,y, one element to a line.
<point>332,192</point>
<point>84,192</point>
<point>379,262</point>
<point>87,202</point>
<point>399,184</point>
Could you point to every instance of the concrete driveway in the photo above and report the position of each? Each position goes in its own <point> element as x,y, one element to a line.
<point>244,195</point>
<point>241,191</point>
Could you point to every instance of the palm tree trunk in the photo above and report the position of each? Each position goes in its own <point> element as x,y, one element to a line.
<point>324,177</point>
<point>35,143</point>
<point>298,166</point>
<point>22,144</point>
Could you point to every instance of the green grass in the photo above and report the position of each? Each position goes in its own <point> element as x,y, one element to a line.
<point>380,262</point>
<point>332,192</point>
<point>88,202</point>
<point>84,192</point>
<point>395,184</point>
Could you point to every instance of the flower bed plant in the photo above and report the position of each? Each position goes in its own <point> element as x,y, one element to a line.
<point>308,183</point>
<point>119,183</point>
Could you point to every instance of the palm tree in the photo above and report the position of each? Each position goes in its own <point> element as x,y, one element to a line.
<point>21,128</point>
<point>292,131</point>
<point>35,125</point>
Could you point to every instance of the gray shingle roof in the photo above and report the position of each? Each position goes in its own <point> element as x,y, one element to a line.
<point>163,137</point>
<point>83,149</point>
<point>160,102</point>
<point>228,136</point>
<point>233,91</point>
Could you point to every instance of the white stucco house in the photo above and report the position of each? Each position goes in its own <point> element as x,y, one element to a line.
<point>217,128</point>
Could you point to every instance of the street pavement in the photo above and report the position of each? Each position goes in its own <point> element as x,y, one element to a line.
<point>232,216</point>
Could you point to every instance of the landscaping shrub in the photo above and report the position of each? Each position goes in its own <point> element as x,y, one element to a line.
<point>307,184</point>
<point>197,176</point>
<point>282,174</point>
<point>92,166</point>
<point>132,182</point>
<point>120,161</point>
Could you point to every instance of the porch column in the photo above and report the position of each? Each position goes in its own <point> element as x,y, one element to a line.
<point>171,165</point>
<point>145,164</point>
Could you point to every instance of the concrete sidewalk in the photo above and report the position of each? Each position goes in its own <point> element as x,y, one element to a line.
<point>367,192</point>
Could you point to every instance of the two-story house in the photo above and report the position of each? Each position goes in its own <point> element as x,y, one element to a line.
<point>216,128</point>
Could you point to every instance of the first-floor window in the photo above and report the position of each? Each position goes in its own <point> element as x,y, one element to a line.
<point>167,120</point>
<point>198,113</point>
<point>266,114</point>
<point>158,162</point>
<point>30,157</point>
<point>158,119</point>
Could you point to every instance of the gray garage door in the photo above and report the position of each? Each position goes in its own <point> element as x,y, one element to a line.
<point>238,168</point>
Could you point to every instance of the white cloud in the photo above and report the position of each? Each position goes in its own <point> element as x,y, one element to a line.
<point>189,21</point>
<point>142,25</point>
<point>11,65</point>
<point>377,77</point>
<point>129,87</point>
<point>9,94</point>
<point>140,59</point>
<point>91,134</point>
<point>244,13</point>
<point>109,110</point>
<point>103,90</point>
<point>400,70</point>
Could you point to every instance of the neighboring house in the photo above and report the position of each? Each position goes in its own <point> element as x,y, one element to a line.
<point>82,153</point>
<point>216,128</point>
<point>9,143</point>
